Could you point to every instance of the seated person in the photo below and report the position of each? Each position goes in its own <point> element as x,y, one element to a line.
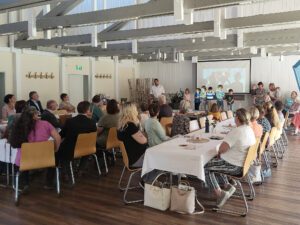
<point>262,120</point>
<point>257,128</point>
<point>9,106</point>
<point>215,112</point>
<point>181,124</point>
<point>48,114</point>
<point>144,115</point>
<point>38,131</point>
<point>65,103</point>
<point>231,156</point>
<point>79,124</point>
<point>35,102</point>
<point>129,133</point>
<point>20,106</point>
<point>107,121</point>
<point>155,132</point>
<point>290,101</point>
<point>97,112</point>
<point>295,108</point>
<point>164,109</point>
<point>272,115</point>
<point>279,107</point>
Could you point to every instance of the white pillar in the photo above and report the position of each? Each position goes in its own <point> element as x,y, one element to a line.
<point>47,33</point>
<point>104,44</point>
<point>17,79</point>
<point>94,32</point>
<point>116,75</point>
<point>62,75</point>
<point>92,77</point>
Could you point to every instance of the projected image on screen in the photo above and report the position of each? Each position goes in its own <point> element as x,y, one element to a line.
<point>231,74</point>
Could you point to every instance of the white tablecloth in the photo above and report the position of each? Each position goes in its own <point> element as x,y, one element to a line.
<point>7,154</point>
<point>169,156</point>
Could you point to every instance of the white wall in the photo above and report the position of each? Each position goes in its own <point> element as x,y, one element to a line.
<point>172,76</point>
<point>271,69</point>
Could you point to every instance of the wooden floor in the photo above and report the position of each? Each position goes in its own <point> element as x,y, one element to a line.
<point>98,201</point>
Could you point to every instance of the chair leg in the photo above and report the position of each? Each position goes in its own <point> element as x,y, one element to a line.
<point>72,173</point>
<point>13,175</point>
<point>105,162</point>
<point>120,181</point>
<point>57,181</point>
<point>128,188</point>
<point>17,189</point>
<point>97,163</point>
<point>114,154</point>
<point>244,212</point>
<point>275,164</point>
<point>250,196</point>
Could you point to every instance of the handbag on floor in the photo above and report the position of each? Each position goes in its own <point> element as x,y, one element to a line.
<point>255,173</point>
<point>184,199</point>
<point>157,195</point>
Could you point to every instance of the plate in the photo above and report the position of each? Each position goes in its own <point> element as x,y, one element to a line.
<point>183,145</point>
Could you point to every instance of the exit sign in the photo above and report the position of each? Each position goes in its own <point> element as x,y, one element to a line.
<point>78,68</point>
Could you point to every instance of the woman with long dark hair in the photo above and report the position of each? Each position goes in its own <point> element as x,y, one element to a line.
<point>29,128</point>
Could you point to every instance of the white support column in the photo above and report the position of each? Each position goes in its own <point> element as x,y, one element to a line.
<point>188,16</point>
<point>116,75</point>
<point>17,83</point>
<point>12,17</point>
<point>62,75</point>
<point>179,10</point>
<point>94,35</point>
<point>240,38</point>
<point>47,33</point>
<point>32,24</point>
<point>92,77</point>
<point>219,15</point>
<point>104,44</point>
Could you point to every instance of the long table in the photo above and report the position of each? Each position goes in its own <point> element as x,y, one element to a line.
<point>7,154</point>
<point>172,156</point>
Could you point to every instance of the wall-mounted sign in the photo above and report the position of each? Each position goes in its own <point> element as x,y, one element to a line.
<point>78,68</point>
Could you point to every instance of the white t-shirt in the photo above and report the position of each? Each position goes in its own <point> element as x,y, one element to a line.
<point>157,90</point>
<point>239,140</point>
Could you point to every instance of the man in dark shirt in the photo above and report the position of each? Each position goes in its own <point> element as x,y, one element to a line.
<point>35,102</point>
<point>164,109</point>
<point>48,114</point>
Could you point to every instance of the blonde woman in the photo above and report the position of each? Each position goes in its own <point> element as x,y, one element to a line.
<point>272,115</point>
<point>129,132</point>
<point>257,128</point>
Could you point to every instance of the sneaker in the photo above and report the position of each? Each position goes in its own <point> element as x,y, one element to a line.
<point>223,198</point>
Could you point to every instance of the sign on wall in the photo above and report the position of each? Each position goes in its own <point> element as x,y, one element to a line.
<point>296,69</point>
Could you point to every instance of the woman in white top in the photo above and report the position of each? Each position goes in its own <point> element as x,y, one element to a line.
<point>231,156</point>
<point>9,107</point>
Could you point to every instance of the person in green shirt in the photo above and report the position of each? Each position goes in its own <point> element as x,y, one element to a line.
<point>155,132</point>
<point>95,109</point>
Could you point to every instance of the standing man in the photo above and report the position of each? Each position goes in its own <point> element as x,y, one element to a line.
<point>157,89</point>
<point>35,102</point>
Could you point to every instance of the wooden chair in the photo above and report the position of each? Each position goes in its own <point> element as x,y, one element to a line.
<point>210,118</point>
<point>61,112</point>
<point>36,155</point>
<point>194,125</point>
<point>112,143</point>
<point>202,121</point>
<point>271,146</point>
<point>251,155</point>
<point>166,123</point>
<point>262,152</point>
<point>285,126</point>
<point>64,118</point>
<point>85,146</point>
<point>223,116</point>
<point>281,147</point>
<point>229,114</point>
<point>132,172</point>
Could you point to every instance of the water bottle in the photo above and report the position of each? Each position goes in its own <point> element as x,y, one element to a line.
<point>206,125</point>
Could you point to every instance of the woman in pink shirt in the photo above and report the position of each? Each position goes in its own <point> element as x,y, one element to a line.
<point>257,128</point>
<point>29,128</point>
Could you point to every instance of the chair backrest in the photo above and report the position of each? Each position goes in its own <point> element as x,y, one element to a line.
<point>194,125</point>
<point>85,145</point>
<point>112,139</point>
<point>210,118</point>
<point>286,119</point>
<point>124,154</point>
<point>202,122</point>
<point>251,155</point>
<point>61,112</point>
<point>223,116</point>
<point>264,143</point>
<point>272,136</point>
<point>166,122</point>
<point>63,118</point>
<point>279,130</point>
<point>37,155</point>
<point>229,114</point>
